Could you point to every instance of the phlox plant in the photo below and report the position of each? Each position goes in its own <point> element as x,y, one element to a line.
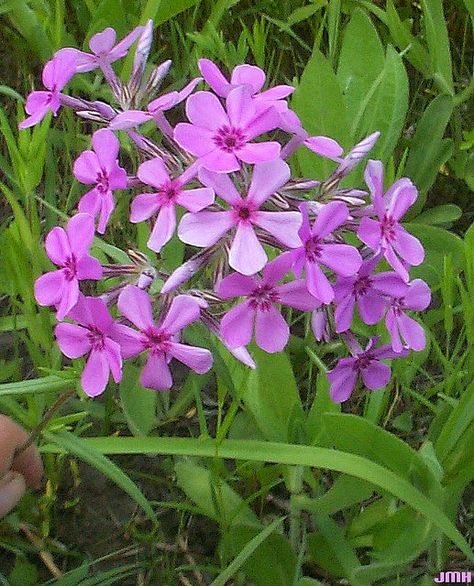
<point>260,237</point>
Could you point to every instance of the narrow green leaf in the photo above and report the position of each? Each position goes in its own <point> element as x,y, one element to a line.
<point>438,44</point>
<point>47,384</point>
<point>247,551</point>
<point>280,453</point>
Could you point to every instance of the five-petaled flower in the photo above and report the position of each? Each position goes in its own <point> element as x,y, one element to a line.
<point>246,253</point>
<point>69,249</point>
<point>370,291</point>
<point>159,339</point>
<point>92,335</point>
<point>417,297</point>
<point>170,192</point>
<point>386,233</point>
<point>56,74</point>
<point>220,138</point>
<point>100,167</point>
<point>259,309</point>
<point>318,247</point>
<point>365,363</point>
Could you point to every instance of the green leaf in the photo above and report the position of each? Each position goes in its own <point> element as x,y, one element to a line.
<point>280,453</point>
<point>442,214</point>
<point>356,76</point>
<point>318,102</point>
<point>427,149</point>
<point>459,420</point>
<point>438,44</point>
<point>92,456</point>
<point>246,553</point>
<point>385,106</point>
<point>272,395</point>
<point>47,384</point>
<point>214,496</point>
<point>139,404</point>
<point>304,12</point>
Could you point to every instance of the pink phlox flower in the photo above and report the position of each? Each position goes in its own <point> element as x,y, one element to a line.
<point>247,255</point>
<point>318,248</point>
<point>100,167</point>
<point>319,325</point>
<point>155,110</point>
<point>56,74</point>
<point>104,49</point>
<point>69,250</point>
<point>370,291</point>
<point>259,312</point>
<point>222,138</point>
<point>417,297</point>
<point>364,363</point>
<point>386,234</point>
<point>170,192</point>
<point>159,339</point>
<point>331,149</point>
<point>91,335</point>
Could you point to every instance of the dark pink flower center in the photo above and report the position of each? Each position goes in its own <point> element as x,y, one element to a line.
<point>263,297</point>
<point>398,305</point>
<point>313,249</point>
<point>169,192</point>
<point>229,139</point>
<point>96,338</point>
<point>361,286</point>
<point>102,181</point>
<point>362,362</point>
<point>387,228</point>
<point>70,268</point>
<point>157,340</point>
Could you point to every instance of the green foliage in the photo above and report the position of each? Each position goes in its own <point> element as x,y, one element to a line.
<point>279,480</point>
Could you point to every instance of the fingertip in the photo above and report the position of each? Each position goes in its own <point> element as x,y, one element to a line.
<point>12,488</point>
<point>30,466</point>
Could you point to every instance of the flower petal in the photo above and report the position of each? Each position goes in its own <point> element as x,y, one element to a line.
<point>156,374</point>
<point>198,359</point>
<point>278,268</point>
<point>184,310</point>
<point>194,139</point>
<point>144,206</point>
<point>195,200</point>
<point>57,246</point>
<point>72,340</point>
<point>249,75</point>
<point>204,228</point>
<point>101,43</point>
<point>240,107</point>
<point>343,379</point>
<point>95,375</point>
<point>222,184</point>
<point>376,375</point>
<point>267,178</point>
<point>344,314</point>
<point>408,247</point>
<point>370,233</point>
<point>237,325</point>
<point>373,177</point>
<point>271,330</point>
<point>90,203</point>
<point>114,358</point>
<point>130,341</point>
<point>129,119</point>
<point>163,229</point>
<point>87,167</point>
<point>246,255</point>
<point>80,232</point>
<point>88,267</point>
<point>418,295</point>
<point>412,332</point>
<point>236,285</point>
<point>153,172</point>
<point>205,111</point>
<point>371,307</point>
<point>296,294</point>
<point>107,205</point>
<point>106,146</point>
<point>258,152</point>
<point>330,217</point>
<point>213,77</point>
<point>317,283</point>
<point>284,226</point>
<point>220,161</point>
<point>48,288</point>
<point>343,259</point>
<point>135,305</point>
<point>324,146</point>
<point>401,196</point>
<point>69,298</point>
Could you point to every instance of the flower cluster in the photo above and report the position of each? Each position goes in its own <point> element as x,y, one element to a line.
<point>263,240</point>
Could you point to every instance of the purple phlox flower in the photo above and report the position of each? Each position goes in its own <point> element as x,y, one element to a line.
<point>246,252</point>
<point>259,310</point>
<point>331,149</point>
<point>56,74</point>
<point>155,109</point>
<point>370,291</point>
<point>104,49</point>
<point>69,250</point>
<point>365,363</point>
<point>170,192</point>
<point>417,297</point>
<point>91,335</point>
<point>222,138</point>
<point>386,234</point>
<point>100,167</point>
<point>319,248</point>
<point>159,339</point>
